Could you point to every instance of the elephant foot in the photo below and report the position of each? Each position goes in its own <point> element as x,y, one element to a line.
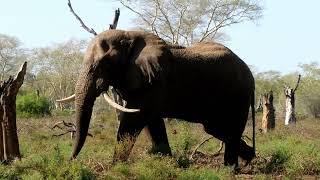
<point>231,154</point>
<point>162,149</point>
<point>246,152</point>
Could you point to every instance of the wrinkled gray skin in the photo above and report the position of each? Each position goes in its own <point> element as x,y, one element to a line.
<point>206,83</point>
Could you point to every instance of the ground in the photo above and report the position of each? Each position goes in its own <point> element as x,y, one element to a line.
<point>285,153</point>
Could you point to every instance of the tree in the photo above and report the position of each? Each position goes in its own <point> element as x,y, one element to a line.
<point>289,92</point>
<point>310,89</point>
<point>268,116</point>
<point>269,81</point>
<point>9,143</point>
<point>56,68</point>
<point>187,21</point>
<point>10,55</point>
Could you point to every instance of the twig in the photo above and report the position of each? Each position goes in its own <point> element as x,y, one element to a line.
<point>199,145</point>
<point>71,129</point>
<point>71,125</point>
<point>220,147</point>
<point>80,20</point>
<point>139,14</point>
<point>166,19</point>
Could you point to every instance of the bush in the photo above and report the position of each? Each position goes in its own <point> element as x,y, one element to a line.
<point>31,105</point>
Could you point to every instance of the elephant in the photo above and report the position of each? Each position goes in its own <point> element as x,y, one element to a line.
<point>205,83</point>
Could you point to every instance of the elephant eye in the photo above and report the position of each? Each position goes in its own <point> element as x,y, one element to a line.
<point>104,45</point>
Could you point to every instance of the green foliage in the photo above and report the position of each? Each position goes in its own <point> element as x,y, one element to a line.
<point>155,167</point>
<point>196,174</point>
<point>64,112</point>
<point>31,105</point>
<point>310,89</point>
<point>184,145</point>
<point>287,152</point>
<point>46,166</point>
<point>278,160</point>
<point>56,68</point>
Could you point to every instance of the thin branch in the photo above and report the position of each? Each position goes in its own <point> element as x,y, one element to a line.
<point>167,19</point>
<point>233,18</point>
<point>199,145</point>
<point>61,134</point>
<point>182,12</point>
<point>71,129</point>
<point>71,125</point>
<point>154,29</point>
<point>139,14</point>
<point>80,20</point>
<point>209,23</point>
<point>186,38</point>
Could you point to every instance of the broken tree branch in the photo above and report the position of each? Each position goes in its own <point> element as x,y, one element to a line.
<point>117,98</point>
<point>298,82</point>
<point>115,20</point>
<point>290,117</point>
<point>92,31</point>
<point>9,143</point>
<point>71,128</point>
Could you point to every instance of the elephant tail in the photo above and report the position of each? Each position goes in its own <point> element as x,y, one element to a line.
<point>253,114</point>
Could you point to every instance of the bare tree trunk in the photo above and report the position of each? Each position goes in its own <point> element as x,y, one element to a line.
<point>268,116</point>
<point>9,89</point>
<point>1,133</point>
<point>290,117</point>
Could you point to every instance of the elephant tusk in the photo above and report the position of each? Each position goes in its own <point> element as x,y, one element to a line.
<point>117,106</point>
<point>68,99</point>
<point>107,98</point>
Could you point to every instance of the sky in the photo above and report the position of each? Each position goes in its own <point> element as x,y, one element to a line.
<point>286,35</point>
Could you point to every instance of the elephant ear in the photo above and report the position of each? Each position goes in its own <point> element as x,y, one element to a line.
<point>148,53</point>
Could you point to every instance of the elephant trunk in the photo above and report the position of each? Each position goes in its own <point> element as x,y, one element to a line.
<point>85,95</point>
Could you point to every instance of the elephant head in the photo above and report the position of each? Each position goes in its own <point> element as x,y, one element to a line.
<point>122,59</point>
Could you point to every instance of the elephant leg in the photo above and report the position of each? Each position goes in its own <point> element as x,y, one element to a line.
<point>157,131</point>
<point>246,152</point>
<point>130,127</point>
<point>231,152</point>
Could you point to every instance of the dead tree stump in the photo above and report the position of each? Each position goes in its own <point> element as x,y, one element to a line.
<point>268,116</point>
<point>9,143</point>
<point>290,117</point>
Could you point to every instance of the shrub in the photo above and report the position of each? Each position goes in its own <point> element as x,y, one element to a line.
<point>31,105</point>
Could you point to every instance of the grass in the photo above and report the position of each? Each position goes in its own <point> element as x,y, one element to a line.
<point>290,152</point>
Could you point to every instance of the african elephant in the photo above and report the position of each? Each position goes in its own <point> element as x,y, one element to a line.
<point>205,83</point>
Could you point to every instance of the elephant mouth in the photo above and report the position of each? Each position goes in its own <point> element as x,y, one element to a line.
<point>109,100</point>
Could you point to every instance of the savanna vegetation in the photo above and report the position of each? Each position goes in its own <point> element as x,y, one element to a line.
<point>292,151</point>
<point>287,151</point>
